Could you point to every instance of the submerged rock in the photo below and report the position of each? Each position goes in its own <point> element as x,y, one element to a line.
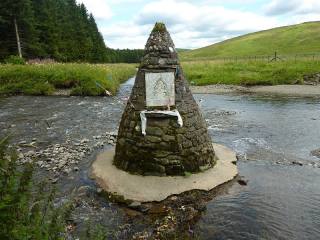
<point>297,163</point>
<point>316,153</point>
<point>243,182</point>
<point>134,205</point>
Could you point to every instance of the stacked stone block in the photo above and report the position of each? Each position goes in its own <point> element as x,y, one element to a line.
<point>167,148</point>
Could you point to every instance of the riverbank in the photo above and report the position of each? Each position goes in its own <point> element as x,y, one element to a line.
<point>271,153</point>
<point>211,77</point>
<point>250,73</point>
<point>284,90</point>
<point>70,79</point>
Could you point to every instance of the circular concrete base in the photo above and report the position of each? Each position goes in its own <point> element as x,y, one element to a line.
<point>152,188</point>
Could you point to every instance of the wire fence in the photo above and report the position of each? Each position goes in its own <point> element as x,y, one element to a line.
<point>266,58</point>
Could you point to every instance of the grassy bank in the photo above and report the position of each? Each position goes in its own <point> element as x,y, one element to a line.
<point>82,79</point>
<point>89,79</point>
<point>249,73</point>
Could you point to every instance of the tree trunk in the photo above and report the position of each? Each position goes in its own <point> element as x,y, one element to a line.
<point>18,37</point>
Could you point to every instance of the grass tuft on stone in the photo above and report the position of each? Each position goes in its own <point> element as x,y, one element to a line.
<point>159,27</point>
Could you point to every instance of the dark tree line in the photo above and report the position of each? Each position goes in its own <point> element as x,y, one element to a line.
<point>124,55</point>
<point>58,29</point>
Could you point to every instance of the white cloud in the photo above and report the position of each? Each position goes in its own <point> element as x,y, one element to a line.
<point>194,24</point>
<point>297,7</point>
<point>191,25</point>
<point>278,7</point>
<point>125,35</point>
<point>309,7</point>
<point>124,1</point>
<point>169,11</point>
<point>99,8</point>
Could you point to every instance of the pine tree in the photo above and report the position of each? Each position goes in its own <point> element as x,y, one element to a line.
<point>47,28</point>
<point>17,28</point>
<point>59,29</point>
<point>99,51</point>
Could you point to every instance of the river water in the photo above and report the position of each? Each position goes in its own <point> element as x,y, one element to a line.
<point>281,200</point>
<point>270,135</point>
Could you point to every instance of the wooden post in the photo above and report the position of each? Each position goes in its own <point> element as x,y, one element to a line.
<point>17,37</point>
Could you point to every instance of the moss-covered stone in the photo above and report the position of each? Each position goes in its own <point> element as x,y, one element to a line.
<point>159,27</point>
<point>156,131</point>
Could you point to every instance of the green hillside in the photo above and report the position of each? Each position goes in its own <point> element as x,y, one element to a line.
<point>296,39</point>
<point>181,50</point>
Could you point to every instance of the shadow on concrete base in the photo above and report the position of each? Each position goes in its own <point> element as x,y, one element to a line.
<point>152,188</point>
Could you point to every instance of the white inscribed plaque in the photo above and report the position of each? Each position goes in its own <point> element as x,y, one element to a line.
<point>160,90</point>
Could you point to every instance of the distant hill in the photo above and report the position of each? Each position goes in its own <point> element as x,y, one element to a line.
<point>296,39</point>
<point>180,50</point>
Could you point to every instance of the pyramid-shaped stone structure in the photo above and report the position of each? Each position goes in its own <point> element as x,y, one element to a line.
<point>162,131</point>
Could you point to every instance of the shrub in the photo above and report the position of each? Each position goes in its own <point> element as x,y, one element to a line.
<point>16,60</point>
<point>25,214</point>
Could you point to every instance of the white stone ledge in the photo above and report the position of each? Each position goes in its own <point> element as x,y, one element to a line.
<point>152,188</point>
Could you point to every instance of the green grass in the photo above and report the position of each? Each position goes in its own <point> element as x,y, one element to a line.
<point>290,40</point>
<point>181,50</point>
<point>249,73</point>
<point>82,79</point>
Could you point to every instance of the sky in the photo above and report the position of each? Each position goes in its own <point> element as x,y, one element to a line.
<point>197,23</point>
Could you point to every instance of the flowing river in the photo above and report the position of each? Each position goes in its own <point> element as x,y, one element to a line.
<point>272,136</point>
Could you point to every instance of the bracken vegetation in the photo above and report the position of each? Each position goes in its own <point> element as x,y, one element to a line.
<point>29,208</point>
<point>81,79</point>
<point>249,72</point>
<point>27,211</point>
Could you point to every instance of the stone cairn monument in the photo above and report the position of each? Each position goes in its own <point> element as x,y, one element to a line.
<point>162,135</point>
<point>162,132</point>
